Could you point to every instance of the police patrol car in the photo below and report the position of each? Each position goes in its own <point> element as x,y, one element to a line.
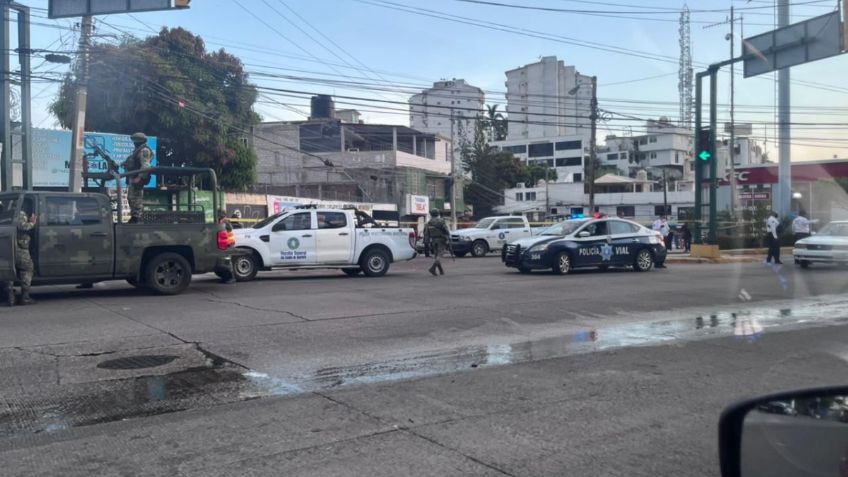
<point>604,242</point>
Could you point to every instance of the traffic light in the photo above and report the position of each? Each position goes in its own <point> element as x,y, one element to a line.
<point>181,3</point>
<point>705,146</point>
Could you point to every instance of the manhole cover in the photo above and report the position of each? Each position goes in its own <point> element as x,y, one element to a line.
<point>137,362</point>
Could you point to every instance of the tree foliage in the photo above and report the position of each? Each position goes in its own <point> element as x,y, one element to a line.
<point>495,123</point>
<point>492,171</point>
<point>198,103</point>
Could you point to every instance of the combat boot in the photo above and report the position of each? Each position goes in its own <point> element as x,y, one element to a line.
<point>25,298</point>
<point>10,297</point>
<point>432,270</point>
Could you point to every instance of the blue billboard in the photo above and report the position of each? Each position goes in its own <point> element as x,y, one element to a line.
<point>51,154</point>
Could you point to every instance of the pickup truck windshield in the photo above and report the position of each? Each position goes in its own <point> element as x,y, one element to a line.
<point>563,228</point>
<point>484,224</point>
<point>267,221</point>
<point>835,230</point>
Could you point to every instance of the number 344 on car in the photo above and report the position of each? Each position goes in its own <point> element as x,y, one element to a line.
<point>587,243</point>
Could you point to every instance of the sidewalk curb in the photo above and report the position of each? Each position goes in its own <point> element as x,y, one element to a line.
<point>722,260</point>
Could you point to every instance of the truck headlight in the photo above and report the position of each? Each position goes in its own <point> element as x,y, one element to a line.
<point>800,245</point>
<point>466,238</point>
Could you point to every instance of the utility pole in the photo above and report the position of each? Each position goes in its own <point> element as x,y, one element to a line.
<point>732,149</point>
<point>665,193</point>
<point>784,168</point>
<point>7,132</point>
<point>593,117</point>
<point>78,132</point>
<point>453,174</point>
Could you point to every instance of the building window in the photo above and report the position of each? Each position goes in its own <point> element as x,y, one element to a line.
<point>568,161</point>
<point>625,211</point>
<point>652,139</point>
<point>519,196</point>
<point>612,157</point>
<point>653,155</point>
<point>643,141</point>
<point>660,210</point>
<point>622,156</point>
<point>578,177</point>
<point>521,149</point>
<point>531,196</point>
<point>541,150</point>
<point>567,145</point>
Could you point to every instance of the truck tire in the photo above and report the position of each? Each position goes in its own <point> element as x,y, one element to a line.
<point>562,263</point>
<point>351,272</point>
<point>375,263</point>
<point>167,273</point>
<point>479,248</point>
<point>245,267</point>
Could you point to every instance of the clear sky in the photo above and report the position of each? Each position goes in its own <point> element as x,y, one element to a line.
<point>372,49</point>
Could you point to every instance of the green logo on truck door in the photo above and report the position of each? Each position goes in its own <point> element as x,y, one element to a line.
<point>293,243</point>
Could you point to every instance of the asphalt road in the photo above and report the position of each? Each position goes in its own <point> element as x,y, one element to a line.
<point>482,371</point>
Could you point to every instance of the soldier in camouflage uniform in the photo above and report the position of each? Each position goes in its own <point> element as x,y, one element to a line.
<point>23,261</point>
<point>139,159</point>
<point>437,234</point>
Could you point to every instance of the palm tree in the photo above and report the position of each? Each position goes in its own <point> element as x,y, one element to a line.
<point>496,124</point>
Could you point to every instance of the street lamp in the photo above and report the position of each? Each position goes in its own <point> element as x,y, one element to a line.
<point>593,118</point>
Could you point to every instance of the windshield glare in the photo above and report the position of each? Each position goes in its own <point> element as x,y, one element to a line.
<point>267,221</point>
<point>563,228</point>
<point>484,224</point>
<point>835,230</point>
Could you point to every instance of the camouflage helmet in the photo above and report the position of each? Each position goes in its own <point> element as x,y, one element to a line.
<point>139,137</point>
<point>435,212</point>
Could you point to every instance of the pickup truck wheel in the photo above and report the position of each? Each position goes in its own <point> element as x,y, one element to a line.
<point>479,248</point>
<point>245,267</point>
<point>375,263</point>
<point>562,263</point>
<point>351,272</point>
<point>167,274</point>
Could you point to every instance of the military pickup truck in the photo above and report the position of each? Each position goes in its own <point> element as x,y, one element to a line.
<point>82,237</point>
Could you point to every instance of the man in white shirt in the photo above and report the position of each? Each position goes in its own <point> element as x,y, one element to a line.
<point>801,226</point>
<point>772,238</point>
<point>661,226</point>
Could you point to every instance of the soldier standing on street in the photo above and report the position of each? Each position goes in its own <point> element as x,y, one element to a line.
<point>138,160</point>
<point>23,260</point>
<point>437,234</point>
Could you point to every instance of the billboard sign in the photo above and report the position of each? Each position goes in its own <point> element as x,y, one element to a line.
<point>803,42</point>
<point>418,204</point>
<point>51,155</point>
<point>79,8</point>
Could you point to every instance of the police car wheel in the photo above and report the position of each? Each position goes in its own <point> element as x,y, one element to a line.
<point>168,274</point>
<point>245,267</point>
<point>562,263</point>
<point>643,262</point>
<point>479,248</point>
<point>375,263</point>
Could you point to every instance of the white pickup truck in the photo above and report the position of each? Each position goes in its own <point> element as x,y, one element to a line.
<point>491,233</point>
<point>313,238</point>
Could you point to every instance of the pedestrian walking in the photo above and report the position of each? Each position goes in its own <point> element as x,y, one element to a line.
<point>140,159</point>
<point>436,232</point>
<point>661,226</point>
<point>23,260</point>
<point>687,237</point>
<point>801,226</point>
<point>228,277</point>
<point>773,238</point>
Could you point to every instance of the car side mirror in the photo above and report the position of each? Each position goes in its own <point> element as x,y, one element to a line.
<point>584,234</point>
<point>793,433</point>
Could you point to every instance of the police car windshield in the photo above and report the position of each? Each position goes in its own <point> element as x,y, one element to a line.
<point>484,224</point>
<point>563,228</point>
<point>835,230</point>
<point>267,221</point>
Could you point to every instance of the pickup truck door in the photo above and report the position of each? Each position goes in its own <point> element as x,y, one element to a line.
<point>75,236</point>
<point>335,237</point>
<point>518,229</point>
<point>292,240</point>
<point>8,232</point>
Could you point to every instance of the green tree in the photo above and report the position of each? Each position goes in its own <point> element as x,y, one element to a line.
<point>495,123</point>
<point>534,173</point>
<point>198,103</point>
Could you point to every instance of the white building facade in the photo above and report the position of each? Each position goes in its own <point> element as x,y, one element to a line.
<point>431,110</point>
<point>664,146</point>
<point>540,102</point>
<point>566,154</point>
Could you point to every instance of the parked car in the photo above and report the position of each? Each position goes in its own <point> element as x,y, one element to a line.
<point>829,245</point>
<point>490,234</point>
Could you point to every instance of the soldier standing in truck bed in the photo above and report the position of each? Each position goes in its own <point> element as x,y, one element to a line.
<point>138,160</point>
